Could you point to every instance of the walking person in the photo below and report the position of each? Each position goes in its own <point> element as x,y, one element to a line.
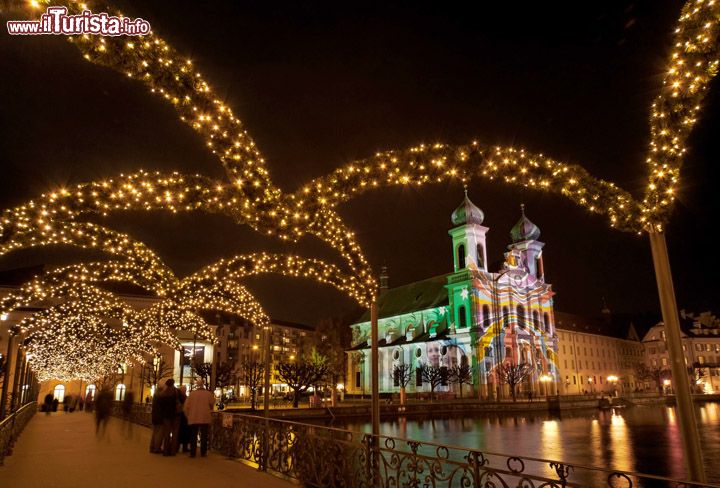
<point>103,405</point>
<point>169,410</point>
<point>198,408</point>
<point>157,423</point>
<point>184,430</point>
<point>47,403</point>
<point>127,406</point>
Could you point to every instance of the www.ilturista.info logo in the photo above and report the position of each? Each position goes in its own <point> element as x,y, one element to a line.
<point>56,21</point>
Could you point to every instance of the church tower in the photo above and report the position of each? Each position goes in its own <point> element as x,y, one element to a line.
<point>468,237</point>
<point>526,250</point>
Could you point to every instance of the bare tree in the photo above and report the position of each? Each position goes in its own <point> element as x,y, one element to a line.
<point>460,375</point>
<point>252,373</point>
<point>300,375</point>
<point>203,371</point>
<point>332,338</point>
<point>513,374</point>
<point>402,375</point>
<point>224,373</point>
<point>652,373</point>
<point>433,375</point>
<point>154,373</point>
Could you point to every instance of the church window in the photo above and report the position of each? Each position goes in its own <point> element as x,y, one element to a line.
<point>506,317</point>
<point>463,360</point>
<point>418,377</point>
<point>486,316</point>
<point>357,379</point>
<point>396,354</point>
<point>521,316</point>
<point>462,316</point>
<point>480,256</point>
<point>508,352</point>
<point>418,352</point>
<point>461,256</point>
<point>536,321</point>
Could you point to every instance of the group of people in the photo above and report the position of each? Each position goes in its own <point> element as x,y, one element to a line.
<point>178,419</point>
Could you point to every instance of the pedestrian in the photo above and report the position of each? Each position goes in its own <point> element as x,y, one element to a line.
<point>127,406</point>
<point>47,403</point>
<point>198,408</point>
<point>55,404</point>
<point>157,423</point>
<point>184,430</point>
<point>103,405</point>
<point>169,411</point>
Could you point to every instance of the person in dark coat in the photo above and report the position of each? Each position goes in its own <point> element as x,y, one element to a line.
<point>168,405</point>
<point>103,405</point>
<point>47,403</point>
<point>184,431</point>
<point>157,423</point>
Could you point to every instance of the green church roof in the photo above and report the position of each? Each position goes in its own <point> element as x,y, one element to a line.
<point>419,295</point>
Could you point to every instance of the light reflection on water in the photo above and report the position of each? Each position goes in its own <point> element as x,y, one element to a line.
<point>643,439</point>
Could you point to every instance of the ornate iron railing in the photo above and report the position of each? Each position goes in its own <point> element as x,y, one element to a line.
<point>320,456</point>
<point>11,427</point>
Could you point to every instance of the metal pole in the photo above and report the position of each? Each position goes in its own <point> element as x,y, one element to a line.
<point>686,413</point>
<point>266,385</point>
<point>23,391</point>
<point>182,357</point>
<point>266,400</point>
<point>6,376</point>
<point>374,364</point>
<point>16,376</point>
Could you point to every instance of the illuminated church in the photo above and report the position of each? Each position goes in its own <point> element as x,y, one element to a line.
<point>470,316</point>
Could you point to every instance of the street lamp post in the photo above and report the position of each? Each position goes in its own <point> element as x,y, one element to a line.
<point>686,413</point>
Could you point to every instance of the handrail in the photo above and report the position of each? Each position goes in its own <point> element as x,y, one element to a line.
<point>11,427</point>
<point>413,445</point>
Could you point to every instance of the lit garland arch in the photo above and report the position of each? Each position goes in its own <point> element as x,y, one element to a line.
<point>691,67</point>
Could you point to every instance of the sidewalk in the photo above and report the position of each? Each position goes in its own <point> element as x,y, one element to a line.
<point>60,450</point>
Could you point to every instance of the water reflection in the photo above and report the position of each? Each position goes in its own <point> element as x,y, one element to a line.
<point>642,438</point>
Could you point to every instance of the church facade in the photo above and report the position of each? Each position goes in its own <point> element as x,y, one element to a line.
<point>471,316</point>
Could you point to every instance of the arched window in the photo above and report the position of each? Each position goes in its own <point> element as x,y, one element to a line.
<point>461,256</point>
<point>506,317</point>
<point>546,321</point>
<point>486,316</point>
<point>120,392</point>
<point>59,393</point>
<point>508,352</point>
<point>462,316</point>
<point>536,321</point>
<point>520,316</point>
<point>480,256</point>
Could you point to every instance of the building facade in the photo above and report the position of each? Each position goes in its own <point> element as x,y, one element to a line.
<point>701,346</point>
<point>592,361</point>
<point>470,316</point>
<point>237,341</point>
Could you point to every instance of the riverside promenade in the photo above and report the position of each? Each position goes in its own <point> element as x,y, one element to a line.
<point>60,450</point>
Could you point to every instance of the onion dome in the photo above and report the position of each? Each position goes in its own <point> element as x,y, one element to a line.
<point>524,230</point>
<point>467,213</point>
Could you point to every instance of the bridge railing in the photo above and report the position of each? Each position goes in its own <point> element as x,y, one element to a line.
<point>318,456</point>
<point>11,427</point>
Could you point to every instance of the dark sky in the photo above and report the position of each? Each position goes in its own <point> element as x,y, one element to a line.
<point>318,85</point>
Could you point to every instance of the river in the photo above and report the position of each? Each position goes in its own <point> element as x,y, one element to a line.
<point>643,439</point>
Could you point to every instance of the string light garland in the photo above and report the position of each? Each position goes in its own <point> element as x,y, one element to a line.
<point>250,197</point>
<point>692,65</point>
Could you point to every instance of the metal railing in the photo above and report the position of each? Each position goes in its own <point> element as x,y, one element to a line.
<point>11,427</point>
<point>319,456</point>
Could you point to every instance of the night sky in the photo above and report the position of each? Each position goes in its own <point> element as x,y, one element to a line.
<point>318,85</point>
